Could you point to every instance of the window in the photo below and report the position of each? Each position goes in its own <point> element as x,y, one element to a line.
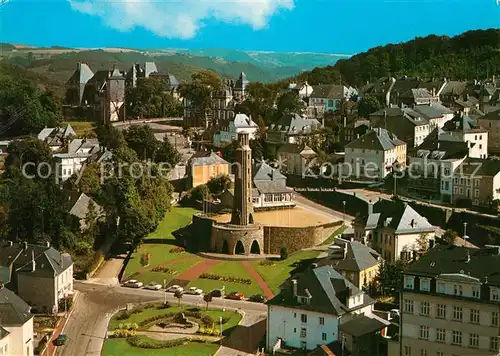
<point>457,313</point>
<point>303,318</point>
<point>456,337</point>
<point>323,336</point>
<point>439,353</point>
<point>408,306</point>
<point>424,308</point>
<point>321,321</point>
<point>495,295</point>
<point>303,332</point>
<point>440,335</point>
<point>474,340</point>
<point>294,330</point>
<point>294,315</point>
<point>424,332</point>
<point>475,292</point>
<point>407,351</point>
<point>441,311</point>
<point>474,316</point>
<point>476,193</point>
<point>494,319</point>
<point>457,290</point>
<point>494,343</point>
<point>409,281</point>
<point>441,288</point>
<point>425,285</point>
<point>423,352</point>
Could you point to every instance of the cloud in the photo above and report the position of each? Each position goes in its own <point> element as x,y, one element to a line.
<point>180,18</point>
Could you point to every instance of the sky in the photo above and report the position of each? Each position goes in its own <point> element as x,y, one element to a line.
<point>326,26</point>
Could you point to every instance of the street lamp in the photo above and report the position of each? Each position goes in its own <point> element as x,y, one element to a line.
<point>220,320</point>
<point>223,295</point>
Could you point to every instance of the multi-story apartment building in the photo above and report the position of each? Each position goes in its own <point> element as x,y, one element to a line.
<point>491,122</point>
<point>450,304</point>
<point>312,309</point>
<point>392,228</point>
<point>374,155</point>
<point>477,180</point>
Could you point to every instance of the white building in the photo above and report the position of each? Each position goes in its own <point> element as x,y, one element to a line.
<point>436,114</point>
<point>16,331</point>
<point>373,155</point>
<point>466,129</point>
<point>392,229</point>
<point>57,137</point>
<point>69,163</point>
<point>304,90</point>
<point>309,310</point>
<point>229,133</point>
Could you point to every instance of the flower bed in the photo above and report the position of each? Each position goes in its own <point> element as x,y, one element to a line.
<point>164,270</point>
<point>216,277</point>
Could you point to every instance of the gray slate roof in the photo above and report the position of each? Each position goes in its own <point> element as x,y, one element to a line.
<point>358,257</point>
<point>378,139</point>
<point>206,158</point>
<point>428,112</point>
<point>329,91</point>
<point>328,289</point>
<point>443,109</point>
<point>81,206</point>
<point>261,171</point>
<point>479,167</point>
<point>13,310</point>
<point>294,124</point>
<point>494,115</point>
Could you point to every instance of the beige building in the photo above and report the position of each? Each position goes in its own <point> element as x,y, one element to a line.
<point>16,330</point>
<point>203,166</point>
<point>296,159</point>
<point>491,122</point>
<point>40,275</point>
<point>374,155</point>
<point>357,262</point>
<point>478,181</point>
<point>392,229</point>
<point>450,304</point>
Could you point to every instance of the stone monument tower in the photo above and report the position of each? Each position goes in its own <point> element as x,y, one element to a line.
<point>243,206</point>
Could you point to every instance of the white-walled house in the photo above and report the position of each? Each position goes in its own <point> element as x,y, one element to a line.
<point>374,154</point>
<point>392,228</point>
<point>70,163</point>
<point>310,309</point>
<point>466,129</point>
<point>56,137</point>
<point>39,274</point>
<point>16,321</point>
<point>229,133</point>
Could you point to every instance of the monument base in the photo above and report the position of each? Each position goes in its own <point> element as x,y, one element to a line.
<point>237,239</point>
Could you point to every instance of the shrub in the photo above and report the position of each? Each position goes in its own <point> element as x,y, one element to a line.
<point>216,277</point>
<point>145,342</point>
<point>177,250</point>
<point>123,333</point>
<point>165,305</point>
<point>283,253</point>
<point>123,315</point>
<point>267,263</point>
<point>145,258</point>
<point>162,324</point>
<point>207,320</point>
<point>225,319</point>
<point>155,318</point>
<point>65,303</point>
<point>193,314</point>
<point>164,270</point>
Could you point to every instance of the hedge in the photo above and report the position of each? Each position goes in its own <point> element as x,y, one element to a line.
<point>216,277</point>
<point>145,342</point>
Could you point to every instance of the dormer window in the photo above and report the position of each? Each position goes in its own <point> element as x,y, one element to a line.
<point>475,292</point>
<point>425,284</point>
<point>409,282</point>
<point>494,294</point>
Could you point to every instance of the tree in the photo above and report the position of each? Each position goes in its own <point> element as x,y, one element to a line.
<point>368,105</point>
<point>142,140</point>
<point>217,185</point>
<point>422,243</point>
<point>150,98</point>
<point>178,294</point>
<point>289,102</point>
<point>207,298</point>
<point>91,222</point>
<point>109,136</point>
<point>389,276</point>
<point>283,253</point>
<point>449,237</point>
<point>167,153</point>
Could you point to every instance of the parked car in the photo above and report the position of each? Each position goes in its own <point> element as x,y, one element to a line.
<point>216,293</point>
<point>235,296</point>
<point>174,288</point>
<point>394,313</point>
<point>257,298</point>
<point>194,290</point>
<point>61,340</point>
<point>153,286</point>
<point>133,284</point>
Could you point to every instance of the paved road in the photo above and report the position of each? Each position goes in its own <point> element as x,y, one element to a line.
<point>87,325</point>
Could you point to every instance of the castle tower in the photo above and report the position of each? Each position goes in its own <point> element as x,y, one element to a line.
<point>243,206</point>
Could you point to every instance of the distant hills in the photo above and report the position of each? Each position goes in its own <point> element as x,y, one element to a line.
<point>59,62</point>
<point>471,55</point>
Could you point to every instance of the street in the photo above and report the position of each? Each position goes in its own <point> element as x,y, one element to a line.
<point>87,326</point>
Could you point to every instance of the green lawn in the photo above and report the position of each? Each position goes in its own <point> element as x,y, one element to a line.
<point>185,261</point>
<point>276,274</point>
<point>228,268</point>
<point>120,347</point>
<point>81,127</point>
<point>160,252</point>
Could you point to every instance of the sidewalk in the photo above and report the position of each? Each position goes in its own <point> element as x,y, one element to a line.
<point>59,329</point>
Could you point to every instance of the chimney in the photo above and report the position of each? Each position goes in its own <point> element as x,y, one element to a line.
<point>345,121</point>
<point>294,285</point>
<point>314,265</point>
<point>61,260</point>
<point>47,244</point>
<point>345,249</point>
<point>25,245</point>
<point>370,208</point>
<point>33,264</point>
<point>468,257</point>
<point>9,243</point>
